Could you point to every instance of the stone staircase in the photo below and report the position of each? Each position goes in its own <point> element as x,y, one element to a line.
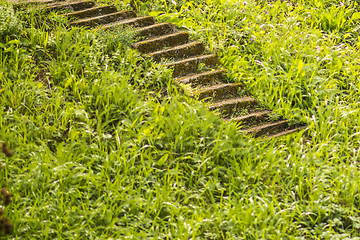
<point>163,41</point>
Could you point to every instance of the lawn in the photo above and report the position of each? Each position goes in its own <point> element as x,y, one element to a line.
<point>107,146</point>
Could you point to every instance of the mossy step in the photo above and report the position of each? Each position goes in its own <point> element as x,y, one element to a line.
<point>229,106</point>
<point>204,78</point>
<point>268,128</point>
<point>190,65</point>
<point>71,5</point>
<point>169,40</point>
<point>287,132</point>
<point>137,22</point>
<point>252,119</point>
<point>100,20</point>
<point>157,29</point>
<point>184,50</point>
<point>92,12</point>
<point>218,92</point>
<point>25,3</point>
<point>18,4</point>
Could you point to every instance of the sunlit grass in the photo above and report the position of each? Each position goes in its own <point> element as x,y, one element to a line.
<point>107,147</point>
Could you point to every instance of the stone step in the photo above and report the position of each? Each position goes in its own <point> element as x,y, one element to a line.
<point>22,3</point>
<point>204,78</point>
<point>287,132</point>
<point>230,106</point>
<point>137,22</point>
<point>182,51</point>
<point>253,118</point>
<point>100,20</point>
<point>218,92</point>
<point>190,65</point>
<point>169,40</point>
<point>91,12</point>
<point>73,5</point>
<point>155,30</point>
<point>268,128</point>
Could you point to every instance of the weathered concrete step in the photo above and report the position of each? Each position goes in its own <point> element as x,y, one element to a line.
<point>137,22</point>
<point>287,132</point>
<point>26,3</point>
<point>218,92</point>
<point>100,20</point>
<point>230,106</point>
<point>190,65</point>
<point>71,5</point>
<point>158,29</point>
<point>18,4</point>
<point>252,119</point>
<point>31,3</point>
<point>185,50</point>
<point>169,40</point>
<point>92,12</point>
<point>204,79</point>
<point>268,128</point>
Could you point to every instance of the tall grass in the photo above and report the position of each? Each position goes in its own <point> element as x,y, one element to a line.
<point>107,147</point>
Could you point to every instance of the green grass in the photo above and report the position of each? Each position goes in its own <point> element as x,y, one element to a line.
<point>107,146</point>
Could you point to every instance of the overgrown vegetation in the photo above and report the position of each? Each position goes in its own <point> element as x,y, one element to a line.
<point>106,146</point>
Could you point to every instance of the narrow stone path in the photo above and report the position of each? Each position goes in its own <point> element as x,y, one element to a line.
<point>163,41</point>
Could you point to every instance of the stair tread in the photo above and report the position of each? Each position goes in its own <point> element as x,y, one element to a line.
<point>183,67</point>
<point>174,52</point>
<point>168,40</point>
<point>264,129</point>
<point>156,29</point>
<point>283,133</point>
<point>218,86</point>
<point>163,37</point>
<point>257,114</point>
<point>200,57</point>
<point>93,11</point>
<point>126,21</point>
<point>231,101</point>
<point>218,91</point>
<point>122,13</point>
<point>196,75</point>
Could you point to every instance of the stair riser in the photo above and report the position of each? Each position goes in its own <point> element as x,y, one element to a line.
<point>77,6</point>
<point>104,19</point>
<point>91,12</point>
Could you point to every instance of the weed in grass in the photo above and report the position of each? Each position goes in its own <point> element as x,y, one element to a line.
<point>6,226</point>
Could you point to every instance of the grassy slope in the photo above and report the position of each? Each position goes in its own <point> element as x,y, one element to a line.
<point>107,147</point>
